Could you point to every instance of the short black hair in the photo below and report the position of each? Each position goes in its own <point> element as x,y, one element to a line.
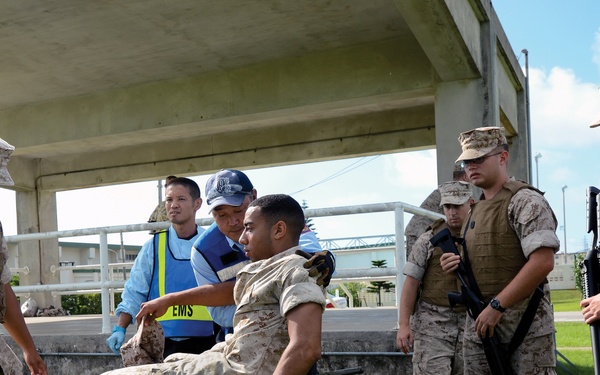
<point>281,207</point>
<point>191,185</point>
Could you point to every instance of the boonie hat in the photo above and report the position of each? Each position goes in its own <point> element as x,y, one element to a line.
<point>480,142</point>
<point>227,186</point>
<point>455,192</point>
<point>5,151</point>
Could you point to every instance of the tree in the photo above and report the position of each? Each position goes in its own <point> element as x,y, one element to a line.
<point>578,276</point>
<point>308,220</point>
<point>378,286</point>
<point>354,288</point>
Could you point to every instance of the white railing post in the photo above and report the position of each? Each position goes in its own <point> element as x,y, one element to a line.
<point>105,298</point>
<point>400,254</point>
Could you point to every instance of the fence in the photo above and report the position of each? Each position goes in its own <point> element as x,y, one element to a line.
<point>105,285</point>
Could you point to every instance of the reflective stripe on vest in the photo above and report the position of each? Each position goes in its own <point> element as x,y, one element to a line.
<point>181,320</point>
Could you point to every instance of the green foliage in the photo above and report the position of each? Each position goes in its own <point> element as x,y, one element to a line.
<point>354,289</point>
<point>14,281</point>
<point>81,304</point>
<point>378,286</point>
<point>578,277</point>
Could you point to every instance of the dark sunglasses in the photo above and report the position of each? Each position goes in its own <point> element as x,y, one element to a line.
<point>478,160</point>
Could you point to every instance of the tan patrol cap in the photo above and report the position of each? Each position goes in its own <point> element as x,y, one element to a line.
<point>455,192</point>
<point>481,141</point>
<point>5,151</point>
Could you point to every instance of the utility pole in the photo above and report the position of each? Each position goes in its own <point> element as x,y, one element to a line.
<point>564,222</point>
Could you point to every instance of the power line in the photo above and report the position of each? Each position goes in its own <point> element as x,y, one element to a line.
<point>346,169</point>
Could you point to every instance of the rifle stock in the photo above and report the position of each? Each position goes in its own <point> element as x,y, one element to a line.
<point>494,354</point>
<point>590,270</point>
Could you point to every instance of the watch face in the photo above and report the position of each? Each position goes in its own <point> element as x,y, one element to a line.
<point>496,305</point>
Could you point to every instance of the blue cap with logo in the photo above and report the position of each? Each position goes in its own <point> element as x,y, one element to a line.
<point>229,187</point>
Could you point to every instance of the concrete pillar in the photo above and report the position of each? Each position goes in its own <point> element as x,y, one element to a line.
<point>459,106</point>
<point>37,213</point>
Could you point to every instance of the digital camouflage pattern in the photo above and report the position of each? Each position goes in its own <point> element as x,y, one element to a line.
<point>265,291</point>
<point>481,141</point>
<point>9,363</point>
<point>159,214</point>
<point>531,359</point>
<point>146,346</point>
<point>438,330</point>
<point>534,223</point>
<point>5,272</point>
<point>5,152</point>
<point>418,224</point>
<point>455,192</point>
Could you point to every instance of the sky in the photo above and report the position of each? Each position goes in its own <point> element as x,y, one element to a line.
<point>563,42</point>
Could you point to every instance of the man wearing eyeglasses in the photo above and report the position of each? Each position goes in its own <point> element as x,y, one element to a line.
<point>510,243</point>
<point>217,255</point>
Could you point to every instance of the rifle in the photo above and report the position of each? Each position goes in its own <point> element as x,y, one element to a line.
<point>590,270</point>
<point>471,298</point>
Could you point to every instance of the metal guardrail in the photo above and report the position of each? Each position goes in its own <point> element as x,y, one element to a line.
<point>105,284</point>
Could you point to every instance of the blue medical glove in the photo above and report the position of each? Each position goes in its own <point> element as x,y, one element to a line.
<point>115,340</point>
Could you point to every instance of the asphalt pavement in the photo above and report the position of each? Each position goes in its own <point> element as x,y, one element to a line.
<point>356,319</point>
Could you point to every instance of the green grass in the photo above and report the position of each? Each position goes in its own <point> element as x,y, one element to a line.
<point>572,338</point>
<point>566,300</point>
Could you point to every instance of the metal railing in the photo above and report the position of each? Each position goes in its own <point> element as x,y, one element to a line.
<point>106,284</point>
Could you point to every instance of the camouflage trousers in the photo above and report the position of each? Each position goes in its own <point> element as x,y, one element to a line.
<point>9,363</point>
<point>535,356</point>
<point>436,356</point>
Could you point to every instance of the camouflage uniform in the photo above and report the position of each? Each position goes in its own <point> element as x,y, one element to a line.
<point>438,330</point>
<point>533,221</point>
<point>159,214</point>
<point>418,224</point>
<point>9,363</point>
<point>146,346</point>
<point>264,293</point>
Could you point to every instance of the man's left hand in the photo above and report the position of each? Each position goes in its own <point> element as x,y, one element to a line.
<point>321,263</point>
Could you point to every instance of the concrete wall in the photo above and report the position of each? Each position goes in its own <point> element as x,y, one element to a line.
<point>88,354</point>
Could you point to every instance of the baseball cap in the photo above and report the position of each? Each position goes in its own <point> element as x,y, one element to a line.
<point>455,192</point>
<point>227,186</point>
<point>5,151</point>
<point>480,142</point>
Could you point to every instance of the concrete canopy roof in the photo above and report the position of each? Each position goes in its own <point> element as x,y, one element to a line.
<point>97,93</point>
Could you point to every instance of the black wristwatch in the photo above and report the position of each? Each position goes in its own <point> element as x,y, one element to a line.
<point>495,304</point>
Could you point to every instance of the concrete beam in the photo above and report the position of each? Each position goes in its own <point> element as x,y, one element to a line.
<point>172,109</point>
<point>448,32</point>
<point>320,139</point>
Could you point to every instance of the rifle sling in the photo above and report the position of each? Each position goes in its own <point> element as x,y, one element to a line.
<point>528,315</point>
<point>526,320</point>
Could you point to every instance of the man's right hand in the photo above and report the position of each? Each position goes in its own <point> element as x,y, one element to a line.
<point>152,309</point>
<point>449,262</point>
<point>115,340</point>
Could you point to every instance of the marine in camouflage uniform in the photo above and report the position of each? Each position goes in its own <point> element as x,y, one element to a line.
<point>501,246</point>
<point>266,291</point>
<point>418,224</point>
<point>436,328</point>
<point>10,315</point>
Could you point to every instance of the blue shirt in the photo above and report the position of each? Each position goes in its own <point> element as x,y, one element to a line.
<point>137,287</point>
<point>223,315</point>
